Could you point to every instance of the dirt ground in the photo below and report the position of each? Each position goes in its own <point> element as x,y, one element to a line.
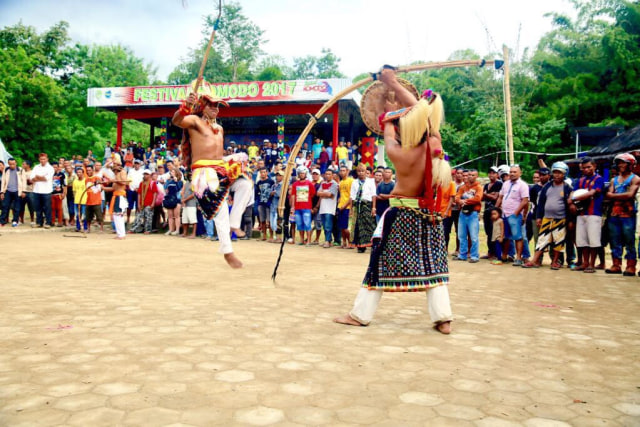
<point>157,330</point>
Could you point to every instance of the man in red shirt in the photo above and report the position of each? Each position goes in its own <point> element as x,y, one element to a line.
<point>302,192</point>
<point>147,192</point>
<point>94,199</point>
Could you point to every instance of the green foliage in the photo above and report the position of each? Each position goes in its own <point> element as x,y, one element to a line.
<point>324,66</point>
<point>235,50</point>
<point>43,101</point>
<point>587,70</point>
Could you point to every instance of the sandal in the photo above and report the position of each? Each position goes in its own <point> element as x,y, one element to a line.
<point>530,264</point>
<point>589,270</point>
<point>556,266</point>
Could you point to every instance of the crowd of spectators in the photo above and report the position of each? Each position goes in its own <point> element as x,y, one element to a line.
<point>338,199</point>
<point>573,219</point>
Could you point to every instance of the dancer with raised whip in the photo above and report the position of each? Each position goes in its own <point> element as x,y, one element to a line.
<point>408,251</point>
<point>202,150</point>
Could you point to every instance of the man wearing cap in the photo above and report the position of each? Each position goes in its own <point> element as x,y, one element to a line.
<point>622,220</point>
<point>544,175</point>
<point>202,151</point>
<point>270,155</point>
<point>490,193</point>
<point>551,213</point>
<point>408,253</point>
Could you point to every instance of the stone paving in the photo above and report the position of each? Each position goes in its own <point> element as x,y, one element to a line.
<point>156,330</point>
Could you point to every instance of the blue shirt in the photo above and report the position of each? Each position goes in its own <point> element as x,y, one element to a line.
<point>263,192</point>
<point>383,188</point>
<point>596,182</point>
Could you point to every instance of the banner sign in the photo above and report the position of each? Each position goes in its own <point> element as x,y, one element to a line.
<point>237,92</point>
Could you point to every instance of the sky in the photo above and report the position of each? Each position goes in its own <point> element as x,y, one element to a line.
<point>363,34</point>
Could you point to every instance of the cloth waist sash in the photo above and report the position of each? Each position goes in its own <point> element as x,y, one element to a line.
<point>207,173</point>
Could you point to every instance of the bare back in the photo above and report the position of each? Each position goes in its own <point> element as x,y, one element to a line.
<point>409,164</point>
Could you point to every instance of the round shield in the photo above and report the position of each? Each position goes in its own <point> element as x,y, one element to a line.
<point>374,100</point>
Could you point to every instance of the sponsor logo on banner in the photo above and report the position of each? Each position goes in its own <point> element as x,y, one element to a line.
<point>317,86</point>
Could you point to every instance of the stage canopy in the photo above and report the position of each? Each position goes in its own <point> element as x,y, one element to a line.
<point>257,109</point>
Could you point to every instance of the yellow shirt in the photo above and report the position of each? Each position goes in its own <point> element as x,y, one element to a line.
<point>78,191</point>
<point>345,192</point>
<point>252,151</point>
<point>342,152</point>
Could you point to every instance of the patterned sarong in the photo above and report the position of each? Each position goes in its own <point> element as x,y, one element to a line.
<point>552,234</point>
<point>408,253</point>
<point>364,225</point>
<point>210,184</point>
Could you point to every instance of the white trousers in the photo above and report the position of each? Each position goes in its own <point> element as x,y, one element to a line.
<point>222,226</point>
<point>243,190</point>
<point>367,301</point>
<point>118,221</point>
<point>65,209</point>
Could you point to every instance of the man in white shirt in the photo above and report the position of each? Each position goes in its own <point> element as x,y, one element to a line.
<point>42,178</point>
<point>328,194</point>
<point>363,190</point>
<point>135,175</point>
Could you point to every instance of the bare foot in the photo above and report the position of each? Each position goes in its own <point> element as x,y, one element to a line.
<point>347,320</point>
<point>239,233</point>
<point>233,260</point>
<point>119,238</point>
<point>443,327</point>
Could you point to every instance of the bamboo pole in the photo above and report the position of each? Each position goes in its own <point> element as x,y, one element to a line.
<point>206,52</point>
<point>507,103</point>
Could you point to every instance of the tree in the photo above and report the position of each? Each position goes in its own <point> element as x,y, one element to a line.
<point>43,95</point>
<point>273,68</point>
<point>317,67</point>
<point>233,55</point>
<point>587,69</point>
<point>238,38</point>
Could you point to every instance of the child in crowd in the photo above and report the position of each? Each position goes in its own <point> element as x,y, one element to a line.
<point>497,235</point>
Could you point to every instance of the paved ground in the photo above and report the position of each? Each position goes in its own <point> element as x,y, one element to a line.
<point>156,330</point>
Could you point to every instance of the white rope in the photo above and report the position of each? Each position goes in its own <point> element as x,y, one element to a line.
<point>573,154</point>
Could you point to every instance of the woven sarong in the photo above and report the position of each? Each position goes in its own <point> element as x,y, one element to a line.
<point>408,253</point>
<point>365,223</point>
<point>211,182</point>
